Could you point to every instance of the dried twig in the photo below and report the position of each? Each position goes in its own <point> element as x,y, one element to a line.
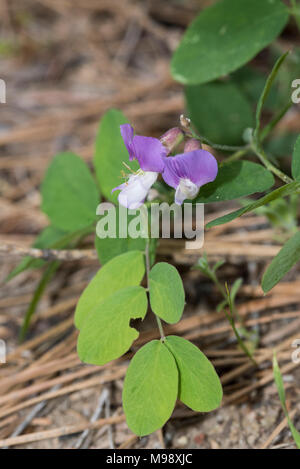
<point>30,416</point>
<point>101,402</point>
<point>49,254</point>
<point>61,431</point>
<point>277,431</point>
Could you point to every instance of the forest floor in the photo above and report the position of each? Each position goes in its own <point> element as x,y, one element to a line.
<point>66,63</point>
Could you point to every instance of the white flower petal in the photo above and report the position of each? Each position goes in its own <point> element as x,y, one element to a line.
<point>134,192</point>
<point>186,189</point>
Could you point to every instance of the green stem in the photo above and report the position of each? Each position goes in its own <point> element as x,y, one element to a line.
<point>236,156</point>
<point>260,153</point>
<point>264,134</point>
<point>230,318</point>
<point>147,256</point>
<point>226,295</point>
<point>216,145</point>
<point>214,278</point>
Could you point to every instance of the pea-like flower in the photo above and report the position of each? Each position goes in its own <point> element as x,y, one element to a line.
<point>150,153</point>
<point>185,172</point>
<point>189,171</point>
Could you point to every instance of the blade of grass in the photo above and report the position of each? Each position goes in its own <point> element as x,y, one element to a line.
<point>269,127</point>
<point>281,392</point>
<point>265,93</point>
<point>46,277</point>
<point>230,318</point>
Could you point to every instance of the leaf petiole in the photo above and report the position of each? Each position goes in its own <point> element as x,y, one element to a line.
<point>147,258</point>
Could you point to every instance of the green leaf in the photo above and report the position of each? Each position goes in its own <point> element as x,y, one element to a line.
<point>108,248</point>
<point>226,36</point>
<point>235,288</point>
<point>45,240</point>
<point>122,271</point>
<point>106,334</point>
<point>110,152</point>
<point>274,121</point>
<point>278,381</point>
<point>70,195</point>
<point>199,385</point>
<point>295,11</point>
<point>150,388</point>
<point>251,81</point>
<point>236,179</point>
<point>166,291</point>
<point>280,387</point>
<point>266,91</point>
<point>296,160</point>
<point>283,191</point>
<point>225,100</point>
<point>279,146</point>
<point>287,257</point>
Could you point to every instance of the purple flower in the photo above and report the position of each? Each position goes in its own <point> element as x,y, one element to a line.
<point>187,172</point>
<point>148,151</point>
<point>151,154</point>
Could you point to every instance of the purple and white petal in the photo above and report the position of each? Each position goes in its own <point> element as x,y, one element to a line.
<point>149,152</point>
<point>186,189</point>
<point>187,172</point>
<point>127,135</point>
<point>199,166</point>
<point>135,190</point>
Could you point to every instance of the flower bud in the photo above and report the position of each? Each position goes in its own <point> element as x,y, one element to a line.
<point>172,138</point>
<point>185,122</point>
<point>191,145</point>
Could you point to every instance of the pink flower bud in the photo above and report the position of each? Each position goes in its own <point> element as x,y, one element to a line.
<point>172,138</point>
<point>191,145</point>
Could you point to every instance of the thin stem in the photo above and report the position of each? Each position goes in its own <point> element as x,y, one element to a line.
<point>214,278</point>
<point>230,318</point>
<point>161,331</point>
<point>160,327</point>
<point>224,293</point>
<point>264,159</point>
<point>233,312</point>
<point>217,146</point>
<point>236,156</point>
<point>264,133</point>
